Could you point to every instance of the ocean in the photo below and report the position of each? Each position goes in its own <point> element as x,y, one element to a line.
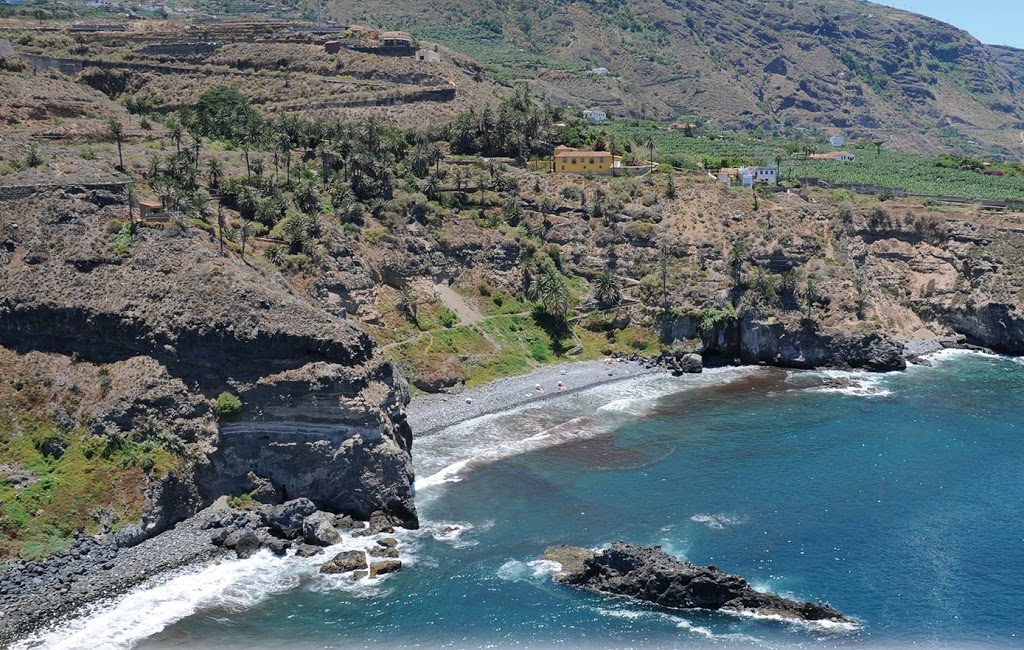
<point>895,498</point>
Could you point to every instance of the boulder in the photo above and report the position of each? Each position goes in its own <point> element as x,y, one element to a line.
<point>344,562</point>
<point>305,550</point>
<point>318,529</point>
<point>286,519</point>
<point>246,545</point>
<point>385,566</point>
<point>388,542</point>
<point>359,575</point>
<point>381,551</point>
<point>279,547</point>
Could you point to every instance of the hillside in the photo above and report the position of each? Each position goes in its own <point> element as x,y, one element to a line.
<point>839,66</point>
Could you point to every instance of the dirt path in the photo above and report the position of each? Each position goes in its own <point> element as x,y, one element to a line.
<point>467,313</point>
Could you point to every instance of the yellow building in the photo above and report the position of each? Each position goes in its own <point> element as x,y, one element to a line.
<point>582,162</point>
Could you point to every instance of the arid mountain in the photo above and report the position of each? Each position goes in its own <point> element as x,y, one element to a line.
<point>838,66</point>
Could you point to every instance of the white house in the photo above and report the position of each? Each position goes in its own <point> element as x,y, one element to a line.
<point>751,175</point>
<point>839,156</point>
<point>837,141</point>
<point>595,115</point>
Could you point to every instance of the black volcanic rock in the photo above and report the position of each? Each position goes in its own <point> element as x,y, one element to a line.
<point>653,576</point>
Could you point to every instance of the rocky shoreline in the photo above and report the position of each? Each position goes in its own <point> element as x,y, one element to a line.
<point>430,413</point>
<point>34,595</point>
<point>650,575</point>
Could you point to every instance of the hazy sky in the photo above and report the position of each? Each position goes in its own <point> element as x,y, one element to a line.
<point>998,22</point>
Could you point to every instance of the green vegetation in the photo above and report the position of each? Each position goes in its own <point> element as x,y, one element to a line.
<point>947,175</point>
<point>227,406</point>
<point>73,481</point>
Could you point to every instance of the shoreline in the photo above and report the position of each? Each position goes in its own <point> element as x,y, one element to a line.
<point>96,569</point>
<point>428,414</point>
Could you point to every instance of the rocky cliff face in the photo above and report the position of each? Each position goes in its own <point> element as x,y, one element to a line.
<point>174,324</point>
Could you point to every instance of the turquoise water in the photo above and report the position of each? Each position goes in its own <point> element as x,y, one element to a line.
<point>900,506</point>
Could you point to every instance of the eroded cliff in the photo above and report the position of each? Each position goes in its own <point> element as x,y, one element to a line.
<point>166,324</point>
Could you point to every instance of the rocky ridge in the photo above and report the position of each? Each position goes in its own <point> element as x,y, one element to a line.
<point>650,575</point>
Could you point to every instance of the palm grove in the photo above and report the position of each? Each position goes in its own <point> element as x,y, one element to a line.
<point>306,180</point>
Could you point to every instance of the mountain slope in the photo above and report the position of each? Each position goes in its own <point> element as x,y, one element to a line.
<point>832,65</point>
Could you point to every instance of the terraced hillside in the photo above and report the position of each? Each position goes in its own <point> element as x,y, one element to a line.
<point>831,65</point>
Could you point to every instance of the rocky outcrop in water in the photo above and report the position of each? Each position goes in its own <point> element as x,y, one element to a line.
<point>651,575</point>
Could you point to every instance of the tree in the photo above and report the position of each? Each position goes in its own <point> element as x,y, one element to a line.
<point>250,135</point>
<point>117,133</point>
<point>176,130</point>
<point>408,304</point>
<point>244,233</point>
<point>778,166</point>
<point>737,257</point>
<point>670,191</point>
<point>808,296</point>
<point>649,143</point>
<point>878,146</point>
<point>220,226</point>
<point>607,289</point>
<point>214,173</point>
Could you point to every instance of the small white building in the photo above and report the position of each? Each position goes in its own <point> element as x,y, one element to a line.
<point>837,141</point>
<point>839,156</point>
<point>764,175</point>
<point>725,179</point>
<point>599,71</point>
<point>595,114</point>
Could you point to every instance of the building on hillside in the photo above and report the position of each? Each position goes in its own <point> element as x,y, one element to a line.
<point>332,47</point>
<point>838,156</point>
<point>599,71</point>
<point>396,39</point>
<point>428,56</point>
<point>149,207</point>
<point>595,114</point>
<point>747,176</point>
<point>837,141</point>
<point>570,161</point>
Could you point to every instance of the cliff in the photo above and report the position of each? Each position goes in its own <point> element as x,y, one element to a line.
<point>167,324</point>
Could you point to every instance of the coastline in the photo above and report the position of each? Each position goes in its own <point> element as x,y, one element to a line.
<point>430,413</point>
<point>96,569</point>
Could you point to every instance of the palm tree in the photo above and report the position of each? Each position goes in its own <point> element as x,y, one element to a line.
<point>283,144</point>
<point>607,289</point>
<point>220,226</point>
<point>649,143</point>
<point>214,173</point>
<point>778,166</point>
<point>117,132</point>
<point>176,130</point>
<point>809,295</point>
<point>244,233</point>
<point>431,184</point>
<point>250,135</point>
<point>407,304</point>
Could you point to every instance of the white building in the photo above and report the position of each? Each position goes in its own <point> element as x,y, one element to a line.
<point>837,141</point>
<point>751,175</point>
<point>595,115</point>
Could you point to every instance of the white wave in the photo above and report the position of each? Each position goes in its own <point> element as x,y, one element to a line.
<point>228,584</point>
<point>950,354</point>
<point>855,383</point>
<point>718,521</point>
<point>445,456</point>
<point>545,567</point>
<point>678,621</point>
<point>821,626</point>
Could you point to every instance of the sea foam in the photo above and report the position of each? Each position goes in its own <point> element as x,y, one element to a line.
<point>227,585</point>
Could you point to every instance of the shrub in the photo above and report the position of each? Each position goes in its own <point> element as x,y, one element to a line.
<point>227,406</point>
